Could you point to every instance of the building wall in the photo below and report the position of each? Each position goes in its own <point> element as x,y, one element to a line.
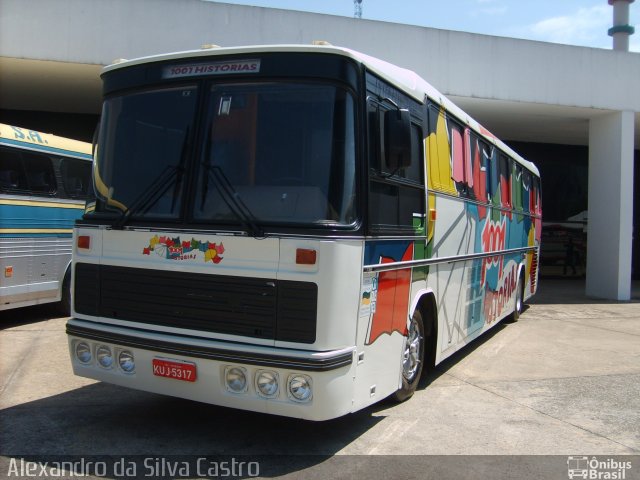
<point>457,63</point>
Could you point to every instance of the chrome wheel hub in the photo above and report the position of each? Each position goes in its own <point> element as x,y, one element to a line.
<point>412,352</point>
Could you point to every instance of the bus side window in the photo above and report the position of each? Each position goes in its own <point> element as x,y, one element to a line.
<point>415,171</point>
<point>76,177</point>
<point>459,159</point>
<point>536,207</point>
<point>396,199</point>
<point>516,186</point>
<point>39,171</point>
<point>480,168</point>
<point>438,160</point>
<point>376,145</point>
<point>485,170</point>
<point>493,175</point>
<point>505,181</point>
<point>12,177</point>
<point>526,191</point>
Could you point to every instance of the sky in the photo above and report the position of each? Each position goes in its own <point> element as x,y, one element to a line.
<point>573,22</point>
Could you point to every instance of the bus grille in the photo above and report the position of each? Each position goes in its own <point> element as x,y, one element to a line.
<point>253,307</point>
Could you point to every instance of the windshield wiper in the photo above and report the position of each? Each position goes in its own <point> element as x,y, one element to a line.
<point>233,200</point>
<point>158,187</point>
<point>152,194</point>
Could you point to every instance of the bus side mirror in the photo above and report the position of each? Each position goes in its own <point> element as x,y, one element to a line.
<point>397,139</point>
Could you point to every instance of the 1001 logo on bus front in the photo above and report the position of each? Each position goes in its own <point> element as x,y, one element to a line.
<point>175,249</point>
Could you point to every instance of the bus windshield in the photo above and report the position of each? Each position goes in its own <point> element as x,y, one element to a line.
<point>267,154</point>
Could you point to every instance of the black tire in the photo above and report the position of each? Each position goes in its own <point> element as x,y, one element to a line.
<point>519,303</point>
<point>64,306</point>
<point>412,359</point>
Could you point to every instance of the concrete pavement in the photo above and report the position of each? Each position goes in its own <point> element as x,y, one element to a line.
<point>563,380</point>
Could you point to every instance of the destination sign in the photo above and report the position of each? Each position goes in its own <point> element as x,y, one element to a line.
<point>217,68</point>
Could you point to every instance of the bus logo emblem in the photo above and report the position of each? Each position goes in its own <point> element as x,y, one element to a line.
<point>176,249</point>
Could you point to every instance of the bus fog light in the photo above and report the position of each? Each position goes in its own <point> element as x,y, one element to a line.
<point>104,356</point>
<point>267,383</point>
<point>83,352</point>
<point>126,362</point>
<point>299,387</point>
<point>235,378</point>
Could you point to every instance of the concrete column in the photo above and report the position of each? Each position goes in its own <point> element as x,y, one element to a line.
<point>611,144</point>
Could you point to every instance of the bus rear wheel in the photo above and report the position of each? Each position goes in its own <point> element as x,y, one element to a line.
<point>519,304</point>
<point>412,358</point>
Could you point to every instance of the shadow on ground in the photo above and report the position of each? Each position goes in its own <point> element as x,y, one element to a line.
<point>18,317</point>
<point>105,420</point>
<point>552,290</point>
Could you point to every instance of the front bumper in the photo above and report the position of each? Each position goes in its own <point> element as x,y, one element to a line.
<point>331,373</point>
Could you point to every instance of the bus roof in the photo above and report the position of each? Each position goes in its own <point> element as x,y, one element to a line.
<point>43,142</point>
<point>406,80</point>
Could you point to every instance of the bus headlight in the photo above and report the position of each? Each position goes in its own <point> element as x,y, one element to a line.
<point>104,356</point>
<point>235,378</point>
<point>267,383</point>
<point>126,362</point>
<point>299,387</point>
<point>83,352</point>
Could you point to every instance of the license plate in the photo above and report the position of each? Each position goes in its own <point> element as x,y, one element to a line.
<point>184,371</point>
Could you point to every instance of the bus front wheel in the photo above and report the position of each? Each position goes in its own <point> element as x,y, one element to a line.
<point>412,358</point>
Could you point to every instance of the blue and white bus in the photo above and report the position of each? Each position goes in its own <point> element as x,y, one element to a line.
<point>44,183</point>
<point>296,230</point>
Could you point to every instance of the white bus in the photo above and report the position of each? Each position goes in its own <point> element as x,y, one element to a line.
<point>296,230</point>
<point>44,183</point>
